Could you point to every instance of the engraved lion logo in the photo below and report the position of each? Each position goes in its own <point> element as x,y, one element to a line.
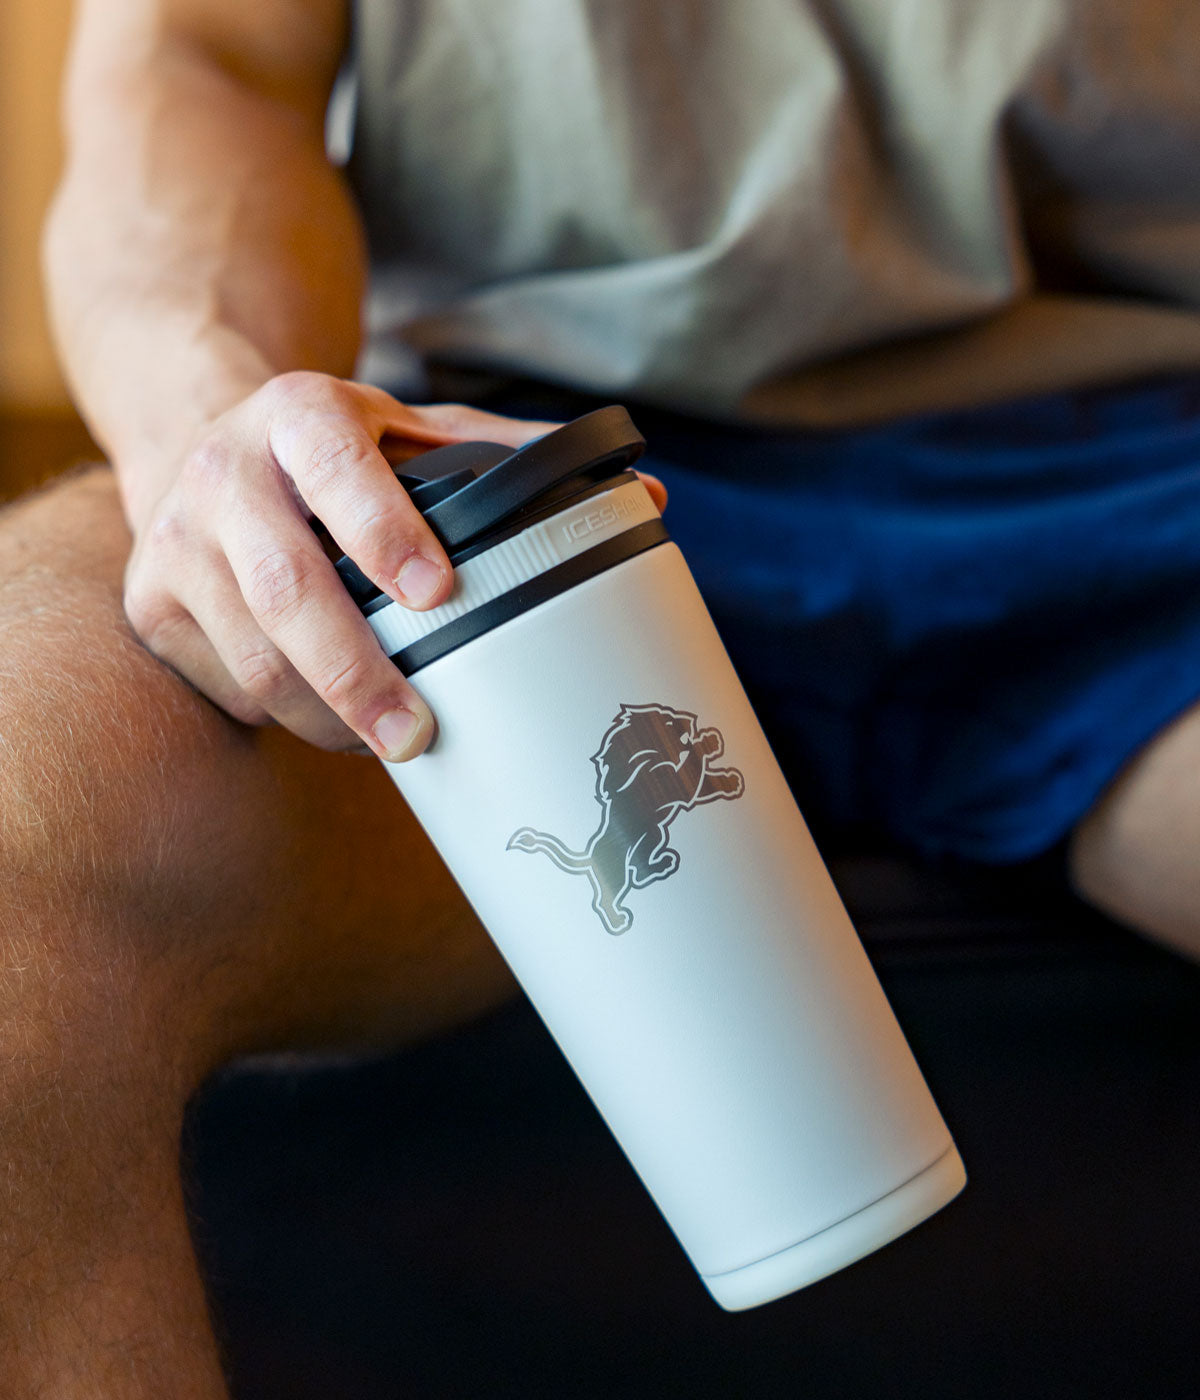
<point>652,764</point>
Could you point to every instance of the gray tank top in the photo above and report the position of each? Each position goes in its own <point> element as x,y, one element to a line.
<point>806,211</point>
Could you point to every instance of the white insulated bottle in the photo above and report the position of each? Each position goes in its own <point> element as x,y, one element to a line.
<point>601,789</point>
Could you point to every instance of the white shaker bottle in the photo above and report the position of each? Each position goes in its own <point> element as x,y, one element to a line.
<point>601,789</point>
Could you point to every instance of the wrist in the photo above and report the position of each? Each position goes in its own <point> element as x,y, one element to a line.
<point>150,423</point>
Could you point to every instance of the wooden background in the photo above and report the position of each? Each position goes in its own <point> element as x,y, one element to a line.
<point>39,433</point>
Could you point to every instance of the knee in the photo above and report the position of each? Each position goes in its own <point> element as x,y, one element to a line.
<point>90,888</point>
<point>1100,858</point>
<point>117,826</point>
<point>1133,855</point>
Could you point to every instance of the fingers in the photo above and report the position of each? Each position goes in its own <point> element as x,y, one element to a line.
<point>326,693</point>
<point>304,653</point>
<point>179,637</point>
<point>232,661</point>
<point>457,422</point>
<point>329,447</point>
<point>329,451</point>
<point>658,492</point>
<point>215,644</point>
<point>229,585</point>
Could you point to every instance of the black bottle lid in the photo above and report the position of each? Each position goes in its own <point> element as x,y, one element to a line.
<point>470,491</point>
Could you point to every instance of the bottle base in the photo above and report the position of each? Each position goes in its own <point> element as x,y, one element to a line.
<point>833,1248</point>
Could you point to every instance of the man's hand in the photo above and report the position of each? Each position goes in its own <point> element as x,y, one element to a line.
<point>229,585</point>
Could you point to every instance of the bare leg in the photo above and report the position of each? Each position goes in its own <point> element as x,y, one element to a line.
<point>1136,855</point>
<point>174,890</point>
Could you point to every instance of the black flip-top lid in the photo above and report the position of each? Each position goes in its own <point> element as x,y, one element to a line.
<point>470,489</point>
<point>467,490</point>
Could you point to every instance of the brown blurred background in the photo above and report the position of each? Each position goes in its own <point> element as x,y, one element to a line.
<point>39,433</point>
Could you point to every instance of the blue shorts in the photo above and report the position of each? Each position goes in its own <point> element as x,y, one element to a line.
<point>955,629</point>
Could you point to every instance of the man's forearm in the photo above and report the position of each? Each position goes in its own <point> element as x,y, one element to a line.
<point>200,243</point>
<point>207,268</point>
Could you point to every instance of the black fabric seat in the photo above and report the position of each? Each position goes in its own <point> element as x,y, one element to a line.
<point>455,1221</point>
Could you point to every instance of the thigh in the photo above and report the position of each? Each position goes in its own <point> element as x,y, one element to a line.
<point>293,884</point>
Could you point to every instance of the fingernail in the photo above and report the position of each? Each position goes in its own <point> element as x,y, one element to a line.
<point>394,733</point>
<point>419,580</point>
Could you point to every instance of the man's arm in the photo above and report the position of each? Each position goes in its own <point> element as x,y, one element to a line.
<point>200,242</point>
<point>206,271</point>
